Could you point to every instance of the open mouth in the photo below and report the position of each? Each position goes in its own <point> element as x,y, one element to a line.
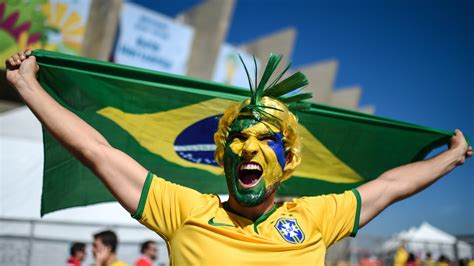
<point>249,174</point>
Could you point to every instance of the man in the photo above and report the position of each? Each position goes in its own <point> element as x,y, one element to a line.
<point>428,260</point>
<point>104,248</point>
<point>401,256</point>
<point>259,146</point>
<point>149,252</point>
<point>78,254</point>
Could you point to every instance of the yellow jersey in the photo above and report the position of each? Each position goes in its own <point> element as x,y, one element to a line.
<point>199,229</point>
<point>401,257</point>
<point>118,263</point>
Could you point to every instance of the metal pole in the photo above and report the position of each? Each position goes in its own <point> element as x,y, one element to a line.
<point>472,251</point>
<point>30,243</point>
<point>456,254</point>
<point>353,250</point>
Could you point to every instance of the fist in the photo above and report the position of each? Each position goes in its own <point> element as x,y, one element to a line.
<point>459,145</point>
<point>20,66</point>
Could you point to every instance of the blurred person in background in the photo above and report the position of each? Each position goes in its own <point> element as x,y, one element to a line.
<point>370,260</point>
<point>411,260</point>
<point>78,254</point>
<point>470,262</point>
<point>104,248</point>
<point>443,261</point>
<point>149,251</point>
<point>428,260</point>
<point>401,256</point>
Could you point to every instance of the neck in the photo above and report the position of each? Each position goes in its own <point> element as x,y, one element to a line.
<point>111,259</point>
<point>252,213</point>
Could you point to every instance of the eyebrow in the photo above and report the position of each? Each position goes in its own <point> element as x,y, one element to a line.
<point>268,134</point>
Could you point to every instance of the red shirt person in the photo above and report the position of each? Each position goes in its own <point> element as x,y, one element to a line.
<point>149,251</point>
<point>78,254</point>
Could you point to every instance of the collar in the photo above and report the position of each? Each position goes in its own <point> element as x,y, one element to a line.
<point>258,221</point>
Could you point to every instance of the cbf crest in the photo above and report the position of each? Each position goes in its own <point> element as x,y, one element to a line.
<point>290,230</point>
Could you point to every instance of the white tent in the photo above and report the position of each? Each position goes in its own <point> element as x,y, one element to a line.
<point>427,238</point>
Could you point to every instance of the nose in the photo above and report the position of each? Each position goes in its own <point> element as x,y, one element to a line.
<point>250,148</point>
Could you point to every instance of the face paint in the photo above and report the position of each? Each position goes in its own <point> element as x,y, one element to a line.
<point>278,148</point>
<point>254,160</point>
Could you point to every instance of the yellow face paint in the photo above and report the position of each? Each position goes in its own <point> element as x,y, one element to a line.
<point>254,160</point>
<point>253,144</point>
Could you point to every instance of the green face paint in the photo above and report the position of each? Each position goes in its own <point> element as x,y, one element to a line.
<point>248,151</point>
<point>247,197</point>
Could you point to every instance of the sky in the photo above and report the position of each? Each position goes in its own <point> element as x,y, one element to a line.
<point>414,61</point>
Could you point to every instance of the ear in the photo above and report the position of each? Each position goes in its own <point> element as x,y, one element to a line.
<point>292,161</point>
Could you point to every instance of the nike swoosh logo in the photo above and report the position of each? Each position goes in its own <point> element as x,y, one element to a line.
<point>211,222</point>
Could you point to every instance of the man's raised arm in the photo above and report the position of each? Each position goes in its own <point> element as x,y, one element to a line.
<point>122,175</point>
<point>404,181</point>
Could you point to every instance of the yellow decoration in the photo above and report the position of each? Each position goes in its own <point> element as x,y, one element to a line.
<point>67,23</point>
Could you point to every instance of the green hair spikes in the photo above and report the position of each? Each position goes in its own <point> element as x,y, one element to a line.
<point>276,89</point>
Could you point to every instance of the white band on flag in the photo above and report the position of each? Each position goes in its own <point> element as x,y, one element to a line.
<point>195,147</point>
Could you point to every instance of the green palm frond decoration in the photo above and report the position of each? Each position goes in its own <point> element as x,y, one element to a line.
<point>276,89</point>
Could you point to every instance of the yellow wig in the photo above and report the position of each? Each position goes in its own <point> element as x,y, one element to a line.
<point>269,103</point>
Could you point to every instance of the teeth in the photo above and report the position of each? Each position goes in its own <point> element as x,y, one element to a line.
<point>250,166</point>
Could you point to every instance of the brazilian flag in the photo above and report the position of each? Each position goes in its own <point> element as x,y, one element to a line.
<point>166,122</point>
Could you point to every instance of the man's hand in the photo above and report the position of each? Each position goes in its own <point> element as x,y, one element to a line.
<point>102,255</point>
<point>21,66</point>
<point>458,146</point>
<point>406,180</point>
<point>121,174</point>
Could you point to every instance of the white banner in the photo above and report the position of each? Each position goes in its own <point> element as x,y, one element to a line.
<point>229,69</point>
<point>151,40</point>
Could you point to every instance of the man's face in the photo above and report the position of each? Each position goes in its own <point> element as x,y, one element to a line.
<point>80,255</point>
<point>152,251</point>
<point>254,159</point>
<point>96,245</point>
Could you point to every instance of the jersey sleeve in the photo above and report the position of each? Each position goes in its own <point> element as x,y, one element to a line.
<point>165,206</point>
<point>336,216</point>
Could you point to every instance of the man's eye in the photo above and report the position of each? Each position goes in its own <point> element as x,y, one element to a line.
<point>238,136</point>
<point>268,138</point>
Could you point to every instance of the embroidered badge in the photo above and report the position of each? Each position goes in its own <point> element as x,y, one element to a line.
<point>290,230</point>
